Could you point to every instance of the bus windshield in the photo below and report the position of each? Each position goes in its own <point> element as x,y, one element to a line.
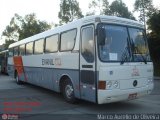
<point>139,44</point>
<point>119,46</point>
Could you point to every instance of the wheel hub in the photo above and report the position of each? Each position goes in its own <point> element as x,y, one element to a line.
<point>69,91</point>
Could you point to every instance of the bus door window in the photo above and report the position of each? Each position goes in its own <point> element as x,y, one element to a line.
<point>88,44</point>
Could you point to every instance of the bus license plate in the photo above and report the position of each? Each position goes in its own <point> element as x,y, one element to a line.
<point>132,96</point>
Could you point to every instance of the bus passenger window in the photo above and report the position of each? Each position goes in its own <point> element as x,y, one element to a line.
<point>29,48</point>
<point>51,44</point>
<point>22,50</point>
<point>88,44</point>
<point>68,40</point>
<point>38,46</point>
<point>16,51</point>
<point>10,52</point>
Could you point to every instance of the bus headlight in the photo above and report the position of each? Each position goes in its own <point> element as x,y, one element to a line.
<point>150,80</point>
<point>112,84</point>
<point>115,84</point>
<point>109,84</point>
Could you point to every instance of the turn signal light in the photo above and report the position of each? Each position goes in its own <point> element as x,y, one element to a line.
<point>102,85</point>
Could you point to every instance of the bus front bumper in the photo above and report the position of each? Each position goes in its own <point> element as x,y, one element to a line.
<point>115,95</point>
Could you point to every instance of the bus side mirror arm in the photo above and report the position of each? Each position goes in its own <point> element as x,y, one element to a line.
<point>101,35</point>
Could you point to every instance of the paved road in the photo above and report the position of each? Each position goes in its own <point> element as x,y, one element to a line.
<point>30,102</point>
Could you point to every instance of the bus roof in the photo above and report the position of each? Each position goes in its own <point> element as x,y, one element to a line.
<point>79,22</point>
<point>4,51</point>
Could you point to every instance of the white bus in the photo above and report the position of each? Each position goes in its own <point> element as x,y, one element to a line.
<point>101,59</point>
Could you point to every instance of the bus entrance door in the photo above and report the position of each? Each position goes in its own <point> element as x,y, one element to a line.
<point>87,64</point>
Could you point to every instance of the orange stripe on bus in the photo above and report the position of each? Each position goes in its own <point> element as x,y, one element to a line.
<point>18,64</point>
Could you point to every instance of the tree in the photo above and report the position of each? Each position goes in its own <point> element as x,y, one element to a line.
<point>20,28</point>
<point>154,24</point>
<point>101,5</point>
<point>69,10</point>
<point>105,7</point>
<point>31,26</point>
<point>7,43</point>
<point>11,31</point>
<point>118,8</point>
<point>145,8</point>
<point>154,39</point>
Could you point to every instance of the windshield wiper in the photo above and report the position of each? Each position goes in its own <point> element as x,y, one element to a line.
<point>126,53</point>
<point>124,56</point>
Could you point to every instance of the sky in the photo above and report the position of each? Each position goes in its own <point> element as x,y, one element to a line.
<point>46,10</point>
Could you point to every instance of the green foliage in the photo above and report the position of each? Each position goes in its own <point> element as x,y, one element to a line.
<point>145,8</point>
<point>69,10</point>
<point>101,5</point>
<point>31,26</point>
<point>7,43</point>
<point>21,28</point>
<point>11,31</point>
<point>118,8</point>
<point>90,13</point>
<point>154,24</point>
<point>105,7</point>
<point>154,40</point>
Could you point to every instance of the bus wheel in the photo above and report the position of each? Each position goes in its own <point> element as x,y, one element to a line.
<point>18,80</point>
<point>68,92</point>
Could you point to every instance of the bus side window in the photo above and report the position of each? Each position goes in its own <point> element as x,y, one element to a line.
<point>16,51</point>
<point>51,44</point>
<point>29,48</point>
<point>67,40</point>
<point>10,52</point>
<point>22,50</point>
<point>88,44</point>
<point>38,46</point>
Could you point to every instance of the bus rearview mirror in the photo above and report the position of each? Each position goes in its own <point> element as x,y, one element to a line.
<point>101,36</point>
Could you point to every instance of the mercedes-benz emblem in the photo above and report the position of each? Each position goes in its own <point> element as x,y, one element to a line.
<point>135,82</point>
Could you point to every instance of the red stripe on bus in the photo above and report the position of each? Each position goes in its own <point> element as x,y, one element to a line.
<point>18,64</point>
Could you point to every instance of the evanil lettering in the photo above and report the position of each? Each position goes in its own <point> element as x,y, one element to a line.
<point>47,62</point>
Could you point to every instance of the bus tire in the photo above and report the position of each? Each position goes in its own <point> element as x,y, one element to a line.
<point>18,81</point>
<point>68,91</point>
